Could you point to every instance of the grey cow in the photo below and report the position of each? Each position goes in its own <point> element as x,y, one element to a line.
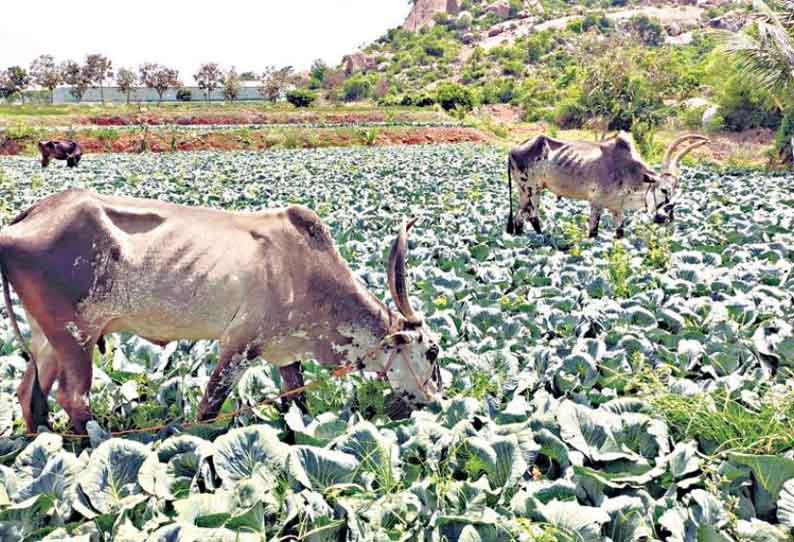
<point>610,175</point>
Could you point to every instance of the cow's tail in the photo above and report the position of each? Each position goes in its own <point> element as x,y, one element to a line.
<point>37,397</point>
<point>511,225</point>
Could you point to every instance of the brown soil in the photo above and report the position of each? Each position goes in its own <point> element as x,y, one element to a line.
<point>170,141</point>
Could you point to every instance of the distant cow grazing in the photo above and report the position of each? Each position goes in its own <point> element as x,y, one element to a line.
<point>610,175</point>
<point>61,149</point>
<point>268,284</point>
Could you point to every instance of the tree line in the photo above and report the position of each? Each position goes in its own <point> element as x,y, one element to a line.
<point>97,70</point>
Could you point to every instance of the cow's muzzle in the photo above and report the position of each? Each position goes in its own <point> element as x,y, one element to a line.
<point>667,214</point>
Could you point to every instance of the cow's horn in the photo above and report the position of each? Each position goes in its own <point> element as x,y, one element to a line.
<point>673,167</point>
<point>397,275</point>
<point>668,153</point>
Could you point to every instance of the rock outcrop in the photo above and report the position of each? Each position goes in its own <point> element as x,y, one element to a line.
<point>358,62</point>
<point>423,11</point>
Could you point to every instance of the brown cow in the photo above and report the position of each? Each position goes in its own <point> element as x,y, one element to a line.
<point>268,284</point>
<point>60,149</point>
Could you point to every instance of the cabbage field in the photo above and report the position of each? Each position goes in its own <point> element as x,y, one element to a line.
<point>633,390</point>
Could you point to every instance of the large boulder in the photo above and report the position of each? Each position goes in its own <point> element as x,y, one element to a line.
<point>500,7</point>
<point>358,62</point>
<point>423,11</point>
<point>732,21</point>
<point>709,115</point>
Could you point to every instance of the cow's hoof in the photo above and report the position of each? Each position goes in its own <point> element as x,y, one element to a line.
<point>620,234</point>
<point>593,234</point>
<point>536,225</point>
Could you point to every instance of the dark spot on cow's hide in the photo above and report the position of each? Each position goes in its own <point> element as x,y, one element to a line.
<point>309,224</point>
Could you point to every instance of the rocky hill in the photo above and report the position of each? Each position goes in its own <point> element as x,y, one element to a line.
<point>543,57</point>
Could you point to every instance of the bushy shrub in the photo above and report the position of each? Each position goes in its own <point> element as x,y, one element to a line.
<point>464,20</point>
<point>692,117</point>
<point>301,97</point>
<point>356,88</point>
<point>744,105</point>
<point>184,95</point>
<point>390,100</point>
<point>648,30</point>
<point>418,100</point>
<point>515,7</point>
<point>434,48</point>
<point>591,20</point>
<point>452,96</point>
<point>501,90</point>
<point>570,113</point>
<point>615,90</point>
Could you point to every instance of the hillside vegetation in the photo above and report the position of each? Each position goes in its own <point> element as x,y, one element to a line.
<point>601,64</point>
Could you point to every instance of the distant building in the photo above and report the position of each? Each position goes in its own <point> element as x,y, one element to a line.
<point>249,92</point>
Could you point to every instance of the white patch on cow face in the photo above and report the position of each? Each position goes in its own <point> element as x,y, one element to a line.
<point>414,372</point>
<point>659,200</point>
<point>408,358</point>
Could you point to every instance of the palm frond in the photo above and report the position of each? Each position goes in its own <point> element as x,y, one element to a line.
<point>764,49</point>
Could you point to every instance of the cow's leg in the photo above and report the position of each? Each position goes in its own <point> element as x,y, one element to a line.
<point>34,406</point>
<point>522,204</point>
<point>529,204</point>
<point>534,209</point>
<point>292,376</point>
<point>620,223</point>
<point>595,218</point>
<point>74,379</point>
<point>45,161</point>
<point>72,343</point>
<point>70,162</point>
<point>236,354</point>
<point>231,365</point>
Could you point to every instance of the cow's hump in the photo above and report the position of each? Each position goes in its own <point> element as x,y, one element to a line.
<point>308,224</point>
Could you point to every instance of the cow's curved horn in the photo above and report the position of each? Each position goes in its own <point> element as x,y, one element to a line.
<point>672,168</point>
<point>668,153</point>
<point>397,275</point>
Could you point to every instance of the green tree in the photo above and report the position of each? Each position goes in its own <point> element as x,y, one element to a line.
<point>99,69</point>
<point>275,82</point>
<point>14,81</point>
<point>209,77</point>
<point>159,78</point>
<point>317,73</point>
<point>46,73</point>
<point>231,85</point>
<point>764,51</point>
<point>78,78</point>
<point>126,81</point>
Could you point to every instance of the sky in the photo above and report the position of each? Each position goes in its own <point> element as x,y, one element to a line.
<point>247,34</point>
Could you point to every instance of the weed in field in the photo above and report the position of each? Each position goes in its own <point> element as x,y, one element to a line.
<point>107,136</point>
<point>657,242</point>
<point>368,136</point>
<point>574,230</point>
<point>619,268</point>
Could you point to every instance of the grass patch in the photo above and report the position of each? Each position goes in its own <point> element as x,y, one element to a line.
<point>720,421</point>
